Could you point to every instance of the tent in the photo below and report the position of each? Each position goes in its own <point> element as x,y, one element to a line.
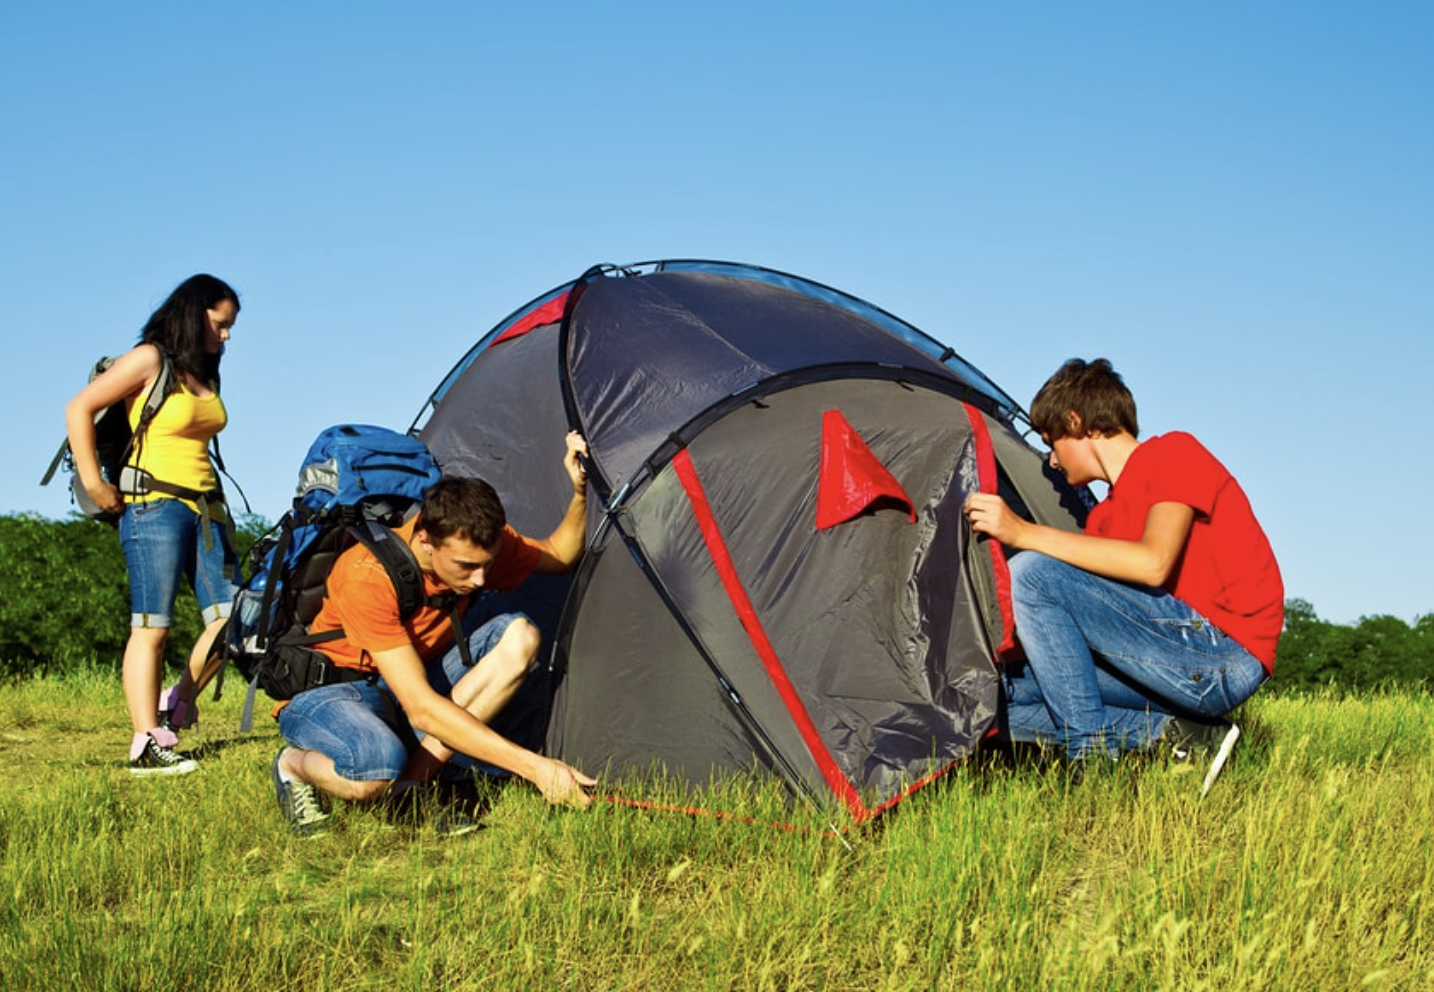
<point>777,576</point>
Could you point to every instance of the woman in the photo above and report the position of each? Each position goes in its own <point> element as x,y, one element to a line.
<point>181,530</point>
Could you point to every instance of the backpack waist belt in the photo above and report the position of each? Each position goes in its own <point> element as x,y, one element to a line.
<point>298,666</point>
<point>138,482</point>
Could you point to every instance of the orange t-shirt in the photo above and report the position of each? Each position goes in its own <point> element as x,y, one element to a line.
<point>362,602</point>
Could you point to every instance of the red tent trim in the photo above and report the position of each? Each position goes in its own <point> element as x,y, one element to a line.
<point>852,479</point>
<point>988,477</point>
<point>548,313</point>
<point>732,583</point>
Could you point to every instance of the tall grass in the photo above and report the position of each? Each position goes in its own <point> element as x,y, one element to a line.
<point>1307,867</point>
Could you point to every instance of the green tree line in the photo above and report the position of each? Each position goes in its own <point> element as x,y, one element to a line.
<point>64,595</point>
<point>1377,652</point>
<point>64,602</point>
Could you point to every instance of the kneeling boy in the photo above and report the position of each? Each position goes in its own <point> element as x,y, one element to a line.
<point>1159,619</point>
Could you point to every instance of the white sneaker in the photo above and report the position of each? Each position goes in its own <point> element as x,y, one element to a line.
<point>1189,740</point>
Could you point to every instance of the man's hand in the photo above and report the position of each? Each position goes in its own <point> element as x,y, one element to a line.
<point>564,546</point>
<point>573,461</point>
<point>564,785</point>
<point>989,514</point>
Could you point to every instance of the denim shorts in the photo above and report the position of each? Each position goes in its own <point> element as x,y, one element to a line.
<point>360,725</point>
<point>164,539</point>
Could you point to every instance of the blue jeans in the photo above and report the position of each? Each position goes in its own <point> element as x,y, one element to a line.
<point>360,725</point>
<point>1108,664</point>
<point>164,539</point>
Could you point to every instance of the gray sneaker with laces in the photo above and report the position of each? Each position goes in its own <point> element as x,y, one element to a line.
<point>303,806</point>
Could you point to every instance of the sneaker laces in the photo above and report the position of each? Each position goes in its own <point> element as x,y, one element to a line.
<point>304,800</point>
<point>164,755</point>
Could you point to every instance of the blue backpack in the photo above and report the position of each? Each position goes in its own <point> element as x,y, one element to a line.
<point>356,483</point>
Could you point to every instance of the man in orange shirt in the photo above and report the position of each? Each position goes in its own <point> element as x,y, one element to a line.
<point>422,704</point>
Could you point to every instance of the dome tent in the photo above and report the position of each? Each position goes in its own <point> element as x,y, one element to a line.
<point>777,573</point>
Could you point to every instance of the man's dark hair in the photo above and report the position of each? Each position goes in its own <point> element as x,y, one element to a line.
<point>1094,392</point>
<point>455,506</point>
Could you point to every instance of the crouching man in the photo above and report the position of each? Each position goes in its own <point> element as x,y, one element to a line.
<point>366,740</point>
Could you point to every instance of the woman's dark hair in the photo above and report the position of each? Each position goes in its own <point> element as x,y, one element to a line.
<point>180,326</point>
<point>1094,392</point>
<point>462,507</point>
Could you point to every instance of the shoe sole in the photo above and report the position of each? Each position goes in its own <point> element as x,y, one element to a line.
<point>1227,746</point>
<point>183,768</point>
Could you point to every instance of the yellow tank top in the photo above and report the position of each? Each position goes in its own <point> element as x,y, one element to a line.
<point>175,447</point>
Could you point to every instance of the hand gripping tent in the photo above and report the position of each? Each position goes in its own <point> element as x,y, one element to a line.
<point>778,574</point>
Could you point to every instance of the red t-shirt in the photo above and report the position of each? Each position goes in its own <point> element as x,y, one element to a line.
<point>1228,570</point>
<point>362,601</point>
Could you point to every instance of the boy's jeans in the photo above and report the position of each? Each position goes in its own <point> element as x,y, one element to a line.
<point>1109,663</point>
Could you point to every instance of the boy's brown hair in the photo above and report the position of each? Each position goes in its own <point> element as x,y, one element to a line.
<point>1094,392</point>
<point>461,507</point>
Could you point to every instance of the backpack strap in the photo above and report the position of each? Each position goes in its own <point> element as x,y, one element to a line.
<point>55,462</point>
<point>402,566</point>
<point>164,384</point>
<point>219,464</point>
<point>278,559</point>
<point>398,560</point>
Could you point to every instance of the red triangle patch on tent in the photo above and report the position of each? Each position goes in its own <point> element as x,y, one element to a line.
<point>852,479</point>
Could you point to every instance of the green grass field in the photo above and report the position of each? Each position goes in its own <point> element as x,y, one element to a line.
<point>1307,867</point>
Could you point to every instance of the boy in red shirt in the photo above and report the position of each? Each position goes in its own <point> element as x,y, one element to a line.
<point>1164,615</point>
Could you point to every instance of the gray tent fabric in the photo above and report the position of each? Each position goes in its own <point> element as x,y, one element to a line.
<point>713,626</point>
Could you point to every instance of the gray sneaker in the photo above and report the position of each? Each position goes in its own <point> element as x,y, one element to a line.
<point>303,806</point>
<point>156,759</point>
<point>1190,740</point>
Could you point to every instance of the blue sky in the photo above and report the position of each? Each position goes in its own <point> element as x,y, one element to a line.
<point>1231,200</point>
